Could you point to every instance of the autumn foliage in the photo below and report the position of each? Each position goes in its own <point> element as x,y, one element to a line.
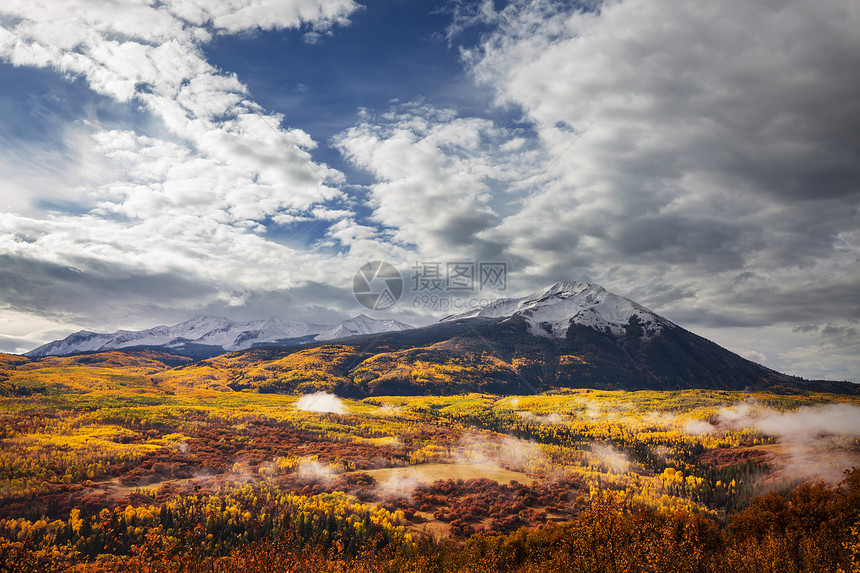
<point>122,462</point>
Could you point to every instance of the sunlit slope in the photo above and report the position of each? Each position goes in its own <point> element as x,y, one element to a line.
<point>325,367</point>
<point>450,367</point>
<point>104,371</point>
<point>473,355</point>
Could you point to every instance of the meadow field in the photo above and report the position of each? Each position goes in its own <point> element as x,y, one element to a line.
<point>106,468</point>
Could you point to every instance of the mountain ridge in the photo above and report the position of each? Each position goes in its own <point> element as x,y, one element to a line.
<point>217,333</point>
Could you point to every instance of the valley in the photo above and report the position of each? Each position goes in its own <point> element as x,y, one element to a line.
<point>125,441</point>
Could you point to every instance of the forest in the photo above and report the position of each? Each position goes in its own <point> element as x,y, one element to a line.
<point>106,464</point>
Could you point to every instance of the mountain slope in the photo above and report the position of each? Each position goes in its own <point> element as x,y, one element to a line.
<point>209,336</point>
<point>493,355</point>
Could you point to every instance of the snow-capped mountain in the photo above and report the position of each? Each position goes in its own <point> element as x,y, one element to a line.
<point>568,335</point>
<point>217,333</point>
<point>361,325</point>
<point>550,311</point>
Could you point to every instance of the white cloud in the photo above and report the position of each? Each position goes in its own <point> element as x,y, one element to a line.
<point>753,355</point>
<point>688,152</point>
<point>615,461</point>
<point>698,427</point>
<point>322,402</point>
<point>312,470</point>
<point>805,423</point>
<point>151,53</point>
<point>812,438</point>
<point>439,177</point>
<point>188,201</point>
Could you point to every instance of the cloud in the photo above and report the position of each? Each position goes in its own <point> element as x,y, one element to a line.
<point>399,486</point>
<point>698,427</point>
<point>615,461</point>
<point>507,452</point>
<point>187,202</point>
<point>753,355</point>
<point>811,436</point>
<point>550,419</point>
<point>312,470</point>
<point>322,402</point>
<point>428,160</point>
<point>803,423</point>
<point>388,410</point>
<point>684,162</point>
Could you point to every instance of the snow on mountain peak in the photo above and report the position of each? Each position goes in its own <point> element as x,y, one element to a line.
<point>217,331</point>
<point>551,310</point>
<point>360,325</point>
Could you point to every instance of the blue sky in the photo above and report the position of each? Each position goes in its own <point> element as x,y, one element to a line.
<point>160,160</point>
<point>390,51</point>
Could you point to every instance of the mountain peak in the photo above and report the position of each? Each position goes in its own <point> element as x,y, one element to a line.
<point>551,311</point>
<point>362,324</point>
<point>567,287</point>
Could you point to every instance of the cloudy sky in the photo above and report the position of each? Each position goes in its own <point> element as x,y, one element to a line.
<point>161,159</point>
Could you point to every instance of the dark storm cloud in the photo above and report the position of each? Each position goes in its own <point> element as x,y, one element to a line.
<point>809,307</point>
<point>803,304</point>
<point>461,229</point>
<point>680,239</point>
<point>61,291</point>
<point>842,336</point>
<point>662,294</point>
<point>686,316</point>
<point>564,241</point>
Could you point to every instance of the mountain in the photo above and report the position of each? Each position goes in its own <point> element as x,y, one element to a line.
<point>362,325</point>
<point>204,336</point>
<point>568,335</point>
<point>551,311</point>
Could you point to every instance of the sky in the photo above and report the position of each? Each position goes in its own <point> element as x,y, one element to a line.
<point>163,159</point>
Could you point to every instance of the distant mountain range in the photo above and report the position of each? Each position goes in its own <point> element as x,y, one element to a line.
<point>205,336</point>
<point>568,335</point>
